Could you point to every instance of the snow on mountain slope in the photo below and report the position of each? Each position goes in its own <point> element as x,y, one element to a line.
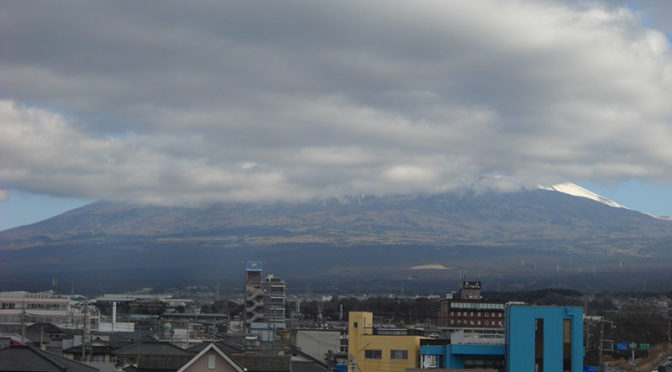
<point>576,190</point>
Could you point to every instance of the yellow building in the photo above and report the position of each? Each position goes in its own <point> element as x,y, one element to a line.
<point>375,352</point>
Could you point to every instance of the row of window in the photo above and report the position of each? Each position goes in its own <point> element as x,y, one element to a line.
<point>476,305</point>
<point>471,322</point>
<point>378,354</point>
<point>471,313</point>
<point>39,306</point>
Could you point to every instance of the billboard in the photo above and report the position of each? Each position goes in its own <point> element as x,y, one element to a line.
<point>253,266</point>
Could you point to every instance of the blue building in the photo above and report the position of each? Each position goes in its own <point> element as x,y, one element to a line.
<point>550,338</point>
<point>545,339</point>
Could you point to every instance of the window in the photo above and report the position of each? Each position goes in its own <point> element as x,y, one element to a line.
<point>567,345</point>
<point>355,325</point>
<point>539,344</point>
<point>399,354</point>
<point>373,354</point>
<point>211,361</point>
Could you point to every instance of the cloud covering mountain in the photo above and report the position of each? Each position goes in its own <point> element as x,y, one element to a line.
<point>181,104</point>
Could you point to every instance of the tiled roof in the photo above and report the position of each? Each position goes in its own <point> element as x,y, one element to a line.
<point>18,358</point>
<point>46,328</point>
<point>152,348</point>
<point>255,362</point>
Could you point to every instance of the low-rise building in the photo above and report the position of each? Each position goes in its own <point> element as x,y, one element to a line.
<point>20,307</point>
<point>538,338</point>
<point>370,351</point>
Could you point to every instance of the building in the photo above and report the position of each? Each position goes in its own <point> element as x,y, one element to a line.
<point>152,356</point>
<point>538,338</point>
<point>185,329</point>
<point>20,307</point>
<point>470,312</point>
<point>265,300</point>
<point>548,339</point>
<point>462,351</point>
<point>318,342</point>
<point>470,290</point>
<point>371,351</point>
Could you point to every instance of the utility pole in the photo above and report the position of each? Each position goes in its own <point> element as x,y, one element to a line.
<point>84,334</point>
<point>601,355</point>
<point>23,321</point>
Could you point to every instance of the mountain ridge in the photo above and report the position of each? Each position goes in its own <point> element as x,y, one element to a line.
<point>358,239</point>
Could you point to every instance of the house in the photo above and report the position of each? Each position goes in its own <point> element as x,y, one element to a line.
<point>96,350</point>
<point>152,356</point>
<point>20,358</point>
<point>47,335</point>
<point>211,359</point>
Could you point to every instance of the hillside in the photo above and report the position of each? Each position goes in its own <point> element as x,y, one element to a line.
<point>488,232</point>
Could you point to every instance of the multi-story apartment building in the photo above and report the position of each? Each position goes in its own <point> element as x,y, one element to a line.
<point>265,300</point>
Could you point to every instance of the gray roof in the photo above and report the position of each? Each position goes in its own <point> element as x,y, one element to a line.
<point>152,348</point>
<point>308,366</point>
<point>18,358</point>
<point>256,362</point>
<point>223,346</point>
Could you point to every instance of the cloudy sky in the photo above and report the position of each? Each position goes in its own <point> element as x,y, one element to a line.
<point>191,103</point>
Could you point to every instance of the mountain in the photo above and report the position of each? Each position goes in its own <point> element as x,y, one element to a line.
<point>360,240</point>
<point>576,190</point>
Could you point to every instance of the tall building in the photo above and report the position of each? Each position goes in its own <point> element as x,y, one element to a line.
<point>265,300</point>
<point>470,312</point>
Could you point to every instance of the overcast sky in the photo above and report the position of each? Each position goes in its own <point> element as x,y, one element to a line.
<point>185,103</point>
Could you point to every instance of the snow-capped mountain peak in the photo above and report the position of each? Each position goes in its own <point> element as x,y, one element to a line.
<point>576,190</point>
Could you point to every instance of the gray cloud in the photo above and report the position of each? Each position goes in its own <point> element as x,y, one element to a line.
<point>176,104</point>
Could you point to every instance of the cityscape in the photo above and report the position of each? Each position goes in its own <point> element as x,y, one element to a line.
<point>336,186</point>
<point>267,328</point>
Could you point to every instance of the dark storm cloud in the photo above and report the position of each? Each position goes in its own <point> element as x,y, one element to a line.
<point>169,102</point>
